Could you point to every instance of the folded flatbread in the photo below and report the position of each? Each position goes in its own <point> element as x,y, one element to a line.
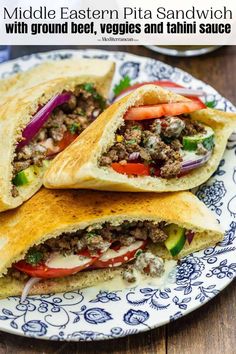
<point>25,94</point>
<point>53,70</point>
<point>62,216</point>
<point>84,163</point>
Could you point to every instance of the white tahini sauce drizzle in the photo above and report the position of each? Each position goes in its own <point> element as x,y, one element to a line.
<point>67,262</point>
<point>118,283</point>
<point>109,254</point>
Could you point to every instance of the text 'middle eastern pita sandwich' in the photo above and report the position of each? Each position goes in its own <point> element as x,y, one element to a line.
<point>150,140</point>
<point>42,111</point>
<point>64,240</point>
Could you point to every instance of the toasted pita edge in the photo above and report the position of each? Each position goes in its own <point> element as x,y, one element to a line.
<point>50,70</point>
<point>49,214</point>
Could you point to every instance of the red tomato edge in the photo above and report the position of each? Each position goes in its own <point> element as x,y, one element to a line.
<point>42,271</point>
<point>164,106</point>
<point>124,169</point>
<point>98,264</point>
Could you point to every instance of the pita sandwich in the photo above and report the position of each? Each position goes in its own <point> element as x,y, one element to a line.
<point>45,109</point>
<point>75,239</point>
<point>150,140</point>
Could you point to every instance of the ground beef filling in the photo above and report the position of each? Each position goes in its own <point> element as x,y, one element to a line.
<point>96,240</point>
<point>74,116</point>
<point>156,142</point>
<point>145,263</point>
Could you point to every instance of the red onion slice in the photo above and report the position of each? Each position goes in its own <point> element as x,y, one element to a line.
<point>186,92</point>
<point>41,117</point>
<point>134,156</point>
<point>30,283</point>
<point>198,162</point>
<point>186,165</point>
<point>190,235</point>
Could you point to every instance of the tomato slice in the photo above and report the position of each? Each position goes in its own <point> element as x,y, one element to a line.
<point>138,169</point>
<point>43,271</point>
<point>113,257</point>
<point>67,139</point>
<point>162,110</point>
<point>164,84</point>
<point>116,257</point>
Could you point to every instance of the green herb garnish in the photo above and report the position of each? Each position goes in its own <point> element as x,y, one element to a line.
<point>136,127</point>
<point>82,112</point>
<point>88,87</point>
<point>73,128</point>
<point>91,234</point>
<point>33,257</point>
<point>100,99</point>
<point>152,171</point>
<point>137,254</point>
<point>211,104</point>
<point>125,226</point>
<point>166,139</point>
<point>124,83</point>
<point>131,142</point>
<point>91,89</point>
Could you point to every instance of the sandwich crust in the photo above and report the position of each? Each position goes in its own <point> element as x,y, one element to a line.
<point>51,213</point>
<point>17,111</point>
<point>51,70</point>
<point>77,166</point>
<point>10,286</point>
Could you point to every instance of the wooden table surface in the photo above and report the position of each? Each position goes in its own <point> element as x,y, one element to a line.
<point>210,329</point>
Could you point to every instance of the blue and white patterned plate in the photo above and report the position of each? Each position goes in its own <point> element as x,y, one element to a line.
<point>94,314</point>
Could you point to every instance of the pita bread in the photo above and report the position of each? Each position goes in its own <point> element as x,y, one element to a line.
<point>77,166</point>
<point>50,213</point>
<point>29,93</point>
<point>51,70</point>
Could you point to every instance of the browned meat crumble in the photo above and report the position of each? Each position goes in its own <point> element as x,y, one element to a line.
<point>156,142</point>
<point>73,116</point>
<point>97,240</point>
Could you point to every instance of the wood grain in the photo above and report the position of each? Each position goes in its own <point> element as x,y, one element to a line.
<point>147,343</point>
<point>210,329</point>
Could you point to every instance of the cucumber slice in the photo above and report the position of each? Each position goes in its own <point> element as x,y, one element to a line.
<point>25,176</point>
<point>190,143</point>
<point>176,239</point>
<point>29,174</point>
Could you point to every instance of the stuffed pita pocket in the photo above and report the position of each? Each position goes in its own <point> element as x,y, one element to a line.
<point>46,114</point>
<point>150,140</point>
<point>75,239</point>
